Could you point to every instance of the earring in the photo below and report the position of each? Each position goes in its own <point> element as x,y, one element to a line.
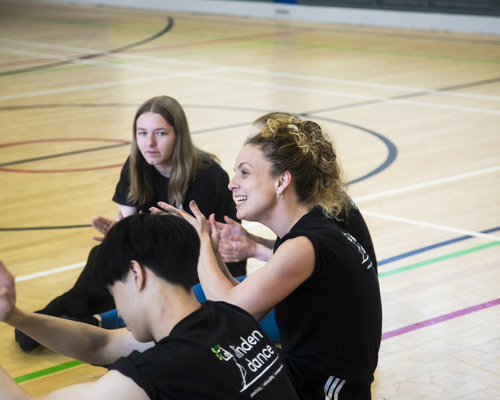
<point>279,195</point>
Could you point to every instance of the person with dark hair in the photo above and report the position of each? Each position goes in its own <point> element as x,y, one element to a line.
<point>164,165</point>
<point>173,347</point>
<point>320,280</point>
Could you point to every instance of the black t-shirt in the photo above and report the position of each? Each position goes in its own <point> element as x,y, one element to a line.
<point>355,224</point>
<point>332,323</point>
<point>217,352</point>
<point>209,189</point>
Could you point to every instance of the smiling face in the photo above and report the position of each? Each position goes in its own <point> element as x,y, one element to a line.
<point>253,186</point>
<point>155,140</point>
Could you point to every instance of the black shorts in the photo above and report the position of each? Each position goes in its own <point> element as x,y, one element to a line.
<point>316,386</point>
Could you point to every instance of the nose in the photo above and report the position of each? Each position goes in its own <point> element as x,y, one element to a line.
<point>232,184</point>
<point>151,140</point>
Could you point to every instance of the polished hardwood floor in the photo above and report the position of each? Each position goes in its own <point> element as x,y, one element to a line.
<point>415,116</point>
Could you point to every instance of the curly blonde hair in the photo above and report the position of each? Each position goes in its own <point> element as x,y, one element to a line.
<point>303,149</point>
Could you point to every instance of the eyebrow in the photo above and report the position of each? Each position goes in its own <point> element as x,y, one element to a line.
<point>239,166</point>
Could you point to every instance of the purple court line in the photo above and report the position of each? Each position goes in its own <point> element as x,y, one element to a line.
<point>442,318</point>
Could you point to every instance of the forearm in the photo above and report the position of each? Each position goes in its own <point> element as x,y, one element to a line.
<point>73,339</point>
<point>9,389</point>
<point>269,243</point>
<point>215,278</point>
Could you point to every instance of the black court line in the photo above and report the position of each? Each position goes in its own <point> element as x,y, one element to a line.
<point>409,95</point>
<point>41,228</point>
<point>170,24</point>
<point>69,153</point>
<point>391,147</point>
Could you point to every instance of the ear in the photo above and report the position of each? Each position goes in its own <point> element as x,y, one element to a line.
<point>284,180</point>
<point>137,273</point>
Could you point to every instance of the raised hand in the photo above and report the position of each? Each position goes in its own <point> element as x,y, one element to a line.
<point>236,248</point>
<point>7,292</point>
<point>103,225</point>
<point>231,227</point>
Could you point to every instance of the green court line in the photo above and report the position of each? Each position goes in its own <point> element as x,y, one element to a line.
<point>437,259</point>
<point>72,364</point>
<point>47,371</point>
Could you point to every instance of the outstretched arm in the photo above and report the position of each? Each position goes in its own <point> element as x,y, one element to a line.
<point>83,342</point>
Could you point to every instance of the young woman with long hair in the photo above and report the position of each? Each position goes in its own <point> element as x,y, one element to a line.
<point>164,165</point>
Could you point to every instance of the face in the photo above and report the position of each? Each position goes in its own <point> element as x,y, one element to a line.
<point>253,186</point>
<point>125,296</point>
<point>155,139</point>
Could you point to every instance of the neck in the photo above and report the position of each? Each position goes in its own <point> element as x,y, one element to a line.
<point>285,216</point>
<point>176,304</point>
<point>165,170</point>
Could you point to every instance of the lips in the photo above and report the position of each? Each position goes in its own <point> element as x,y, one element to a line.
<point>240,199</point>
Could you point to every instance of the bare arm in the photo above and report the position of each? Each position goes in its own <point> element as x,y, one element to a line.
<point>83,342</point>
<point>112,386</point>
<point>289,267</point>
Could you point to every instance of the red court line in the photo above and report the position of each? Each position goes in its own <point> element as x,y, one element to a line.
<point>442,318</point>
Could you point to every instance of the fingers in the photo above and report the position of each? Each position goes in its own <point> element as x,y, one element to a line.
<point>230,221</point>
<point>97,238</point>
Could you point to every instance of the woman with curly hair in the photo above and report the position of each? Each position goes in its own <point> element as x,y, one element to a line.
<point>320,280</point>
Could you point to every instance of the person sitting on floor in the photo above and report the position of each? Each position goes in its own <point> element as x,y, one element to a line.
<point>175,348</point>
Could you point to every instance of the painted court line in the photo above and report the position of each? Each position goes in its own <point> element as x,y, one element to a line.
<point>253,71</point>
<point>437,259</point>
<point>387,335</point>
<point>431,225</point>
<point>200,75</point>
<point>431,247</point>
<point>442,318</point>
<point>49,272</point>
<point>47,371</point>
<point>427,184</point>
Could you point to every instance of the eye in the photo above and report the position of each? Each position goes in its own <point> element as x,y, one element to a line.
<point>141,133</point>
<point>161,133</point>
<point>243,173</point>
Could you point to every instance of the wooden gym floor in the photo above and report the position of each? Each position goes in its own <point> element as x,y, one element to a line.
<point>415,114</point>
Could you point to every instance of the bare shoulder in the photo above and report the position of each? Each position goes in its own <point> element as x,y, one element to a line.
<point>110,386</point>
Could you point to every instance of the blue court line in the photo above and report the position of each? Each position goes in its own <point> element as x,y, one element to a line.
<point>431,247</point>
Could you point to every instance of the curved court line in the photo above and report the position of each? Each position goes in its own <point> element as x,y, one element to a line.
<point>427,184</point>
<point>170,24</point>
<point>391,147</point>
<point>431,225</point>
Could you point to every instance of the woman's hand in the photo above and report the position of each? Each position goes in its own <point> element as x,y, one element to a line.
<point>236,248</point>
<point>205,228</point>
<point>7,292</point>
<point>103,225</point>
<point>231,227</point>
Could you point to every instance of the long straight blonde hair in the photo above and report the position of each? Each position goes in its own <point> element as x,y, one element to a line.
<point>186,158</point>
